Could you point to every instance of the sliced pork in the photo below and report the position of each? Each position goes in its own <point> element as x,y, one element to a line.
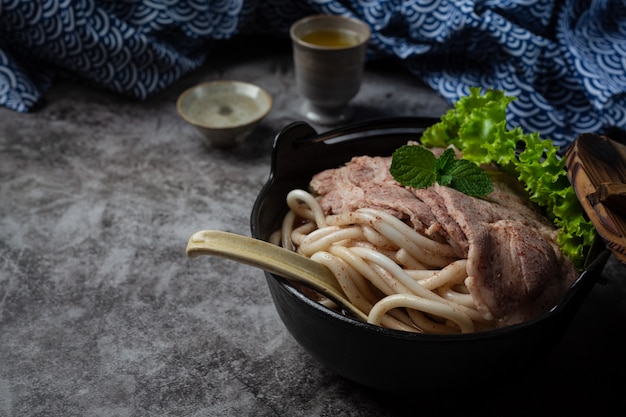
<point>515,268</point>
<point>367,182</point>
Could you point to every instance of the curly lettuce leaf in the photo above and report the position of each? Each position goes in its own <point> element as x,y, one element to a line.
<point>477,126</point>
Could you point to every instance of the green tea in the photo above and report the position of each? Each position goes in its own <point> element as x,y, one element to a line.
<point>334,38</point>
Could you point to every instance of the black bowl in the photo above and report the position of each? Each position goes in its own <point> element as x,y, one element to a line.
<point>377,357</point>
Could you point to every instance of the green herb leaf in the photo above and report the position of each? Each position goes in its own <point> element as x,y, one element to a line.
<point>469,178</point>
<point>414,166</point>
<point>417,167</point>
<point>445,162</point>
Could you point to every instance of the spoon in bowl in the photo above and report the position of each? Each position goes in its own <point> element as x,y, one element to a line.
<point>273,259</point>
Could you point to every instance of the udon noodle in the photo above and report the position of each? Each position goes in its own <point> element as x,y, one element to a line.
<point>400,278</point>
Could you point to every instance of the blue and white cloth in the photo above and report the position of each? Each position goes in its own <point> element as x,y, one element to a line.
<point>564,60</point>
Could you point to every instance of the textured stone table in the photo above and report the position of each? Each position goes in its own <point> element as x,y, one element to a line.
<point>102,314</point>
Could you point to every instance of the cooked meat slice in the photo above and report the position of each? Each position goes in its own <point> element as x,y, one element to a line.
<point>515,267</point>
<point>530,277</point>
<point>366,182</point>
<point>447,225</point>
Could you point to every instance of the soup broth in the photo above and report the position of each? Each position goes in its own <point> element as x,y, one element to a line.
<point>334,38</point>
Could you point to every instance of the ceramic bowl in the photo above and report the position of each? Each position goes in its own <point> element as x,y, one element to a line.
<point>225,112</point>
<point>377,357</point>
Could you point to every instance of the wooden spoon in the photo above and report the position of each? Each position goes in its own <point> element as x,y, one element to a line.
<point>274,259</point>
<point>596,168</point>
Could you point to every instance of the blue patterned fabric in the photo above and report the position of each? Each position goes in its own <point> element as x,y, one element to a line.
<point>564,60</point>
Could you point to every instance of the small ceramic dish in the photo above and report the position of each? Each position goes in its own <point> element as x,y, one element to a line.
<point>225,112</point>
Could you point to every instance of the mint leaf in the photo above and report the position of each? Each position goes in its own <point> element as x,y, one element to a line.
<point>445,162</point>
<point>418,167</point>
<point>468,178</point>
<point>414,166</point>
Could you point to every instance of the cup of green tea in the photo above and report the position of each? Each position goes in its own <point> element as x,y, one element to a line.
<point>329,57</point>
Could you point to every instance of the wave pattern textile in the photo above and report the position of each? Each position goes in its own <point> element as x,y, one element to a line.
<point>565,60</point>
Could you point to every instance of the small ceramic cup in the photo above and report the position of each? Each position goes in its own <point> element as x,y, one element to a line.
<point>329,57</point>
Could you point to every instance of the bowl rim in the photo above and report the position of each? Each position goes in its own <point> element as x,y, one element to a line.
<point>192,89</point>
<point>307,136</point>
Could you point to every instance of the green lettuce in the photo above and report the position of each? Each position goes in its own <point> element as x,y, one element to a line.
<point>477,126</point>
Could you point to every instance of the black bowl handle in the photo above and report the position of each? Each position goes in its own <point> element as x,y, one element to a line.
<point>299,149</point>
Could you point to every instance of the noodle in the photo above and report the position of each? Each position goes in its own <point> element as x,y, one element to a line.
<point>321,239</point>
<point>419,304</point>
<point>397,276</point>
<point>349,281</point>
<point>454,273</point>
<point>314,212</point>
